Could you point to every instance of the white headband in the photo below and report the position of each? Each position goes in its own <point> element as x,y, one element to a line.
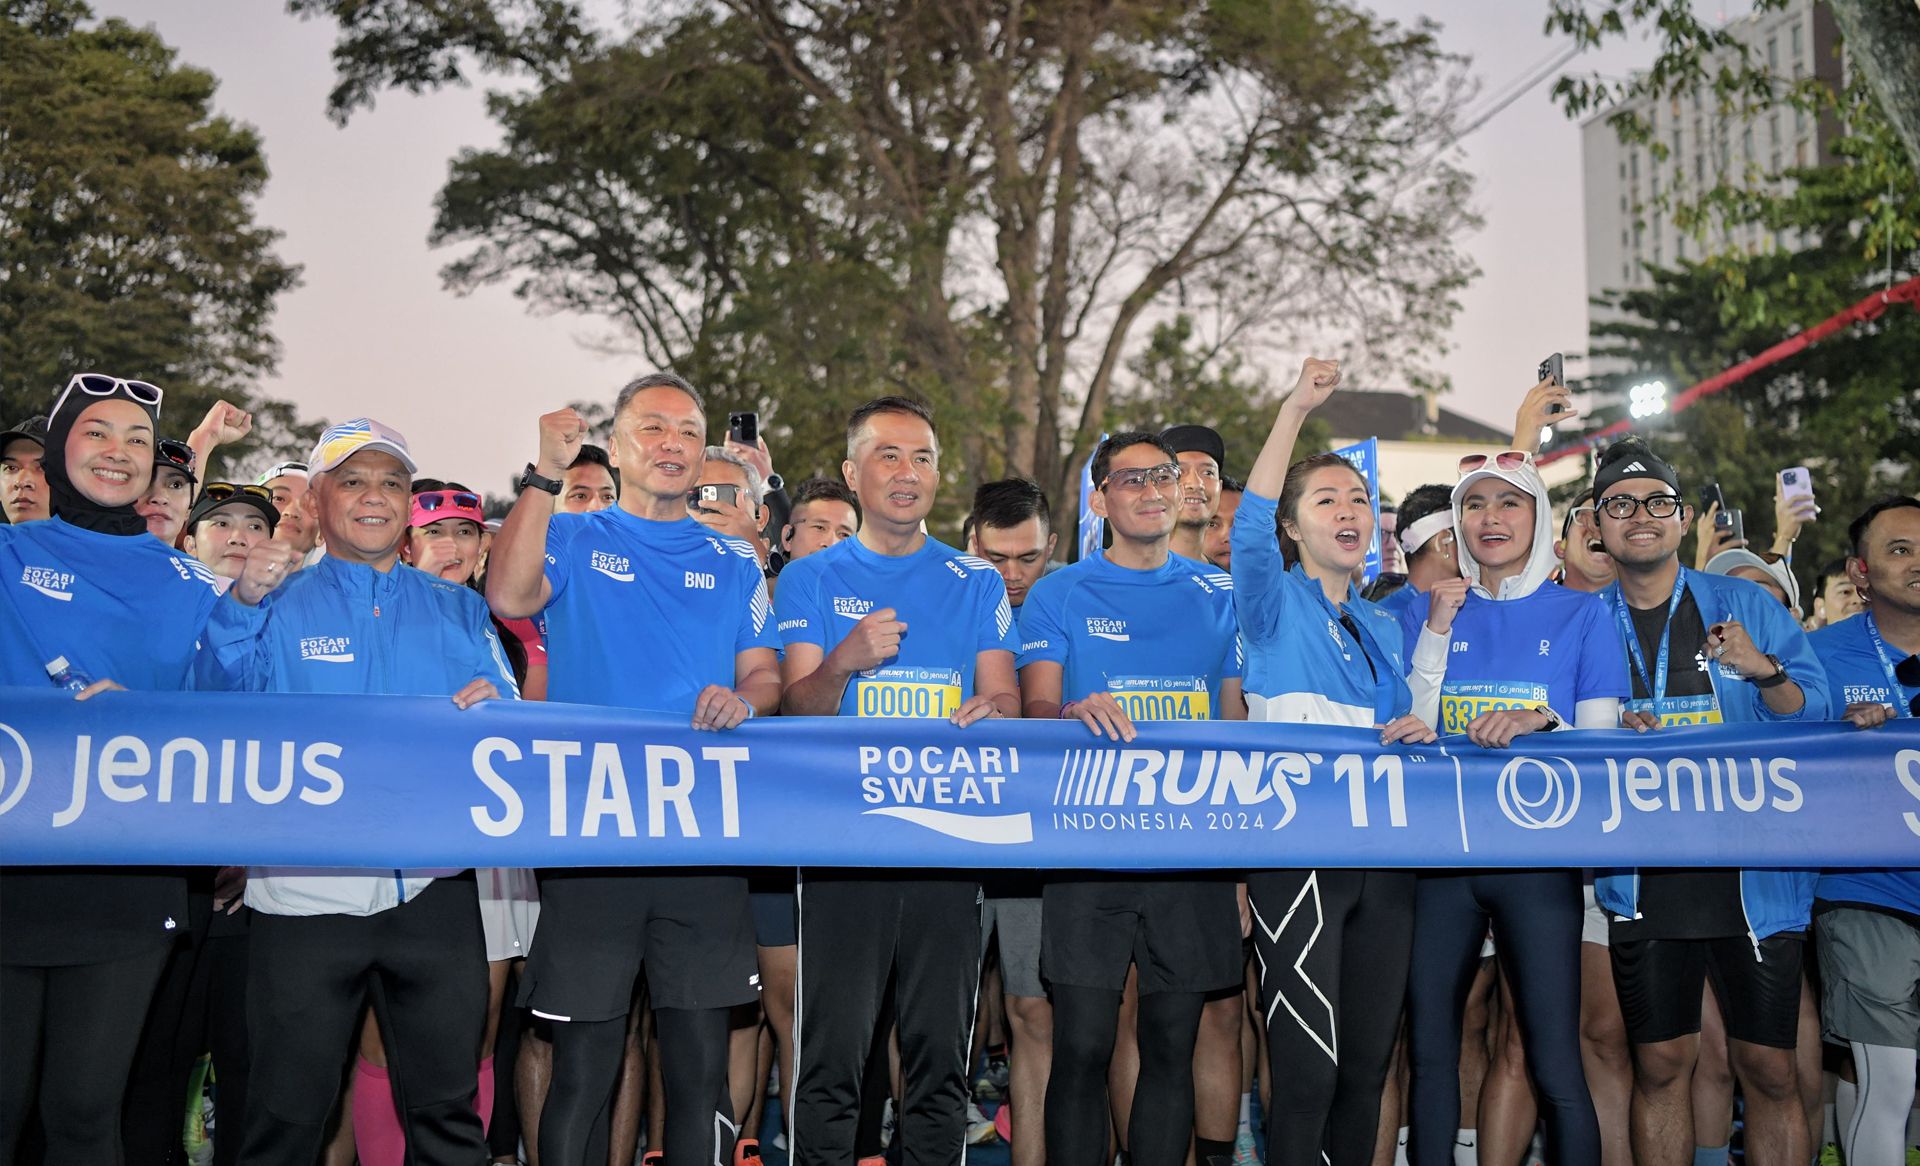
<point>1416,535</point>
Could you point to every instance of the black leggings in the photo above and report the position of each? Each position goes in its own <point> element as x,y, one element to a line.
<point>1333,948</point>
<point>1536,933</point>
<point>70,1033</point>
<point>693,1074</point>
<point>1084,1024</point>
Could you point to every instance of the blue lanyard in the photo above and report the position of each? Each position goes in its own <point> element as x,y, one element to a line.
<point>1895,690</point>
<point>1656,686</point>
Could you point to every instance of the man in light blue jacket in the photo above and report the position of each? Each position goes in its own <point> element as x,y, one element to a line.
<point>1702,649</point>
<point>324,942</point>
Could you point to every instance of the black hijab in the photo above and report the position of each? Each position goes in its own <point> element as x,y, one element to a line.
<point>68,503</point>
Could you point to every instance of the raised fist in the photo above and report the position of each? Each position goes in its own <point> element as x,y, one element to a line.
<point>561,434</point>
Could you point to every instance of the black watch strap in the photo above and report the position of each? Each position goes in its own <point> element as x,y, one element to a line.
<point>1779,676</point>
<point>531,477</point>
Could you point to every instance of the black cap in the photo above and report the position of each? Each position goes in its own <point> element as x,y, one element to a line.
<point>32,429</point>
<point>1196,439</point>
<point>1631,459</point>
<point>212,499</point>
<point>172,454</point>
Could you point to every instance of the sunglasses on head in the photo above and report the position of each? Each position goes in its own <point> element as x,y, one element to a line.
<point>221,491</point>
<point>432,500</point>
<point>175,453</point>
<point>1512,459</point>
<point>95,384</point>
<point>1165,474</point>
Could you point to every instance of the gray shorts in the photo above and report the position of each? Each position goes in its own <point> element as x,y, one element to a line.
<point>1018,920</point>
<point>1870,978</point>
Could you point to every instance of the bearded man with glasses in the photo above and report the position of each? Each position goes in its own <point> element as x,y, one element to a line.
<point>1702,649</point>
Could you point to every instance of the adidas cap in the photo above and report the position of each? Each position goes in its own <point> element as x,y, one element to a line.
<point>1631,460</point>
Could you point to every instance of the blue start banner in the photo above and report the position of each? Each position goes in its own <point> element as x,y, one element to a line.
<point>386,781</point>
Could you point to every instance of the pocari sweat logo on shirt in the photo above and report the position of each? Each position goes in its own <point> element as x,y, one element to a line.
<point>1108,629</point>
<point>49,582</point>
<point>327,649</point>
<point>952,791</point>
<point>851,607</point>
<point>616,567</point>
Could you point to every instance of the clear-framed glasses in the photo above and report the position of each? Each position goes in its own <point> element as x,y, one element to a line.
<point>1162,475</point>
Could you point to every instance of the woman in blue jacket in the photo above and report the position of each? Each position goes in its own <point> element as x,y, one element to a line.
<point>1333,944</point>
<point>87,594</point>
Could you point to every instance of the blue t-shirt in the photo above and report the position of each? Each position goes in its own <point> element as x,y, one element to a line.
<point>1160,641</point>
<point>1552,648</point>
<point>954,606</point>
<point>1857,674</point>
<point>1396,602</point>
<point>646,614</point>
<point>126,608</point>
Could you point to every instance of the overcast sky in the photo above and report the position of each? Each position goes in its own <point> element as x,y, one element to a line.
<point>370,331</point>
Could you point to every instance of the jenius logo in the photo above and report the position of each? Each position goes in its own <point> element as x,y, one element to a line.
<point>1108,629</point>
<point>327,649</point>
<point>615,567</point>
<point>850,607</point>
<point>49,582</point>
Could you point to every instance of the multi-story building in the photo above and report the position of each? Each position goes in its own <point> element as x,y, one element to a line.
<point>1628,189</point>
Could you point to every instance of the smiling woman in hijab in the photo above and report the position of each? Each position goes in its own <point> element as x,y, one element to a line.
<point>91,602</point>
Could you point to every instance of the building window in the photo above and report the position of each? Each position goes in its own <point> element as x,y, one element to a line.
<point>1633,166</point>
<point>1775,163</point>
<point>1773,128</point>
<point>1773,54</point>
<point>1800,152</point>
<point>1699,169</point>
<point>1746,144</point>
<point>1796,42</point>
<point>1679,246</point>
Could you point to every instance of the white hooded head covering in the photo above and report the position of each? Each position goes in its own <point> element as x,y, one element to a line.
<point>1540,560</point>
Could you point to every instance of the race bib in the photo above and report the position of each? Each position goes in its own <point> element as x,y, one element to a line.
<point>1462,704</point>
<point>1162,698</point>
<point>923,693</point>
<point>1682,710</point>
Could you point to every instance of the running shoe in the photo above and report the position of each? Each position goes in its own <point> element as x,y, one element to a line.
<point>980,1131</point>
<point>1244,1153</point>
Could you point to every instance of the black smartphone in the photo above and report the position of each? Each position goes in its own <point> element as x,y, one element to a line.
<point>1710,496</point>
<point>743,428</point>
<point>1553,369</point>
<point>1732,522</point>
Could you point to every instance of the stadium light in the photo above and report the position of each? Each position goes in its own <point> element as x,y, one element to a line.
<point>1647,399</point>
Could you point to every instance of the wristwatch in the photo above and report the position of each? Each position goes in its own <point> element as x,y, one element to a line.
<point>1553,719</point>
<point>532,477</point>
<point>1779,676</point>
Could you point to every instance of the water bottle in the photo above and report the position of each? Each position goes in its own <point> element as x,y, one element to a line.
<point>65,675</point>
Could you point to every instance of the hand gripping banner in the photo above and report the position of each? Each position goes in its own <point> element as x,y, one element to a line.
<point>386,781</point>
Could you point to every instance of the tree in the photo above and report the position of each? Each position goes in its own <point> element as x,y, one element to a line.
<point>127,238</point>
<point>1844,407</point>
<point>978,202</point>
<point>1178,379</point>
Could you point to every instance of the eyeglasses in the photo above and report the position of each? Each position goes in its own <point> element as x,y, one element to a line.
<point>1573,516</point>
<point>1512,459</point>
<point>1165,474</point>
<point>175,453</point>
<point>221,491</point>
<point>1623,506</point>
<point>95,384</point>
<point>432,500</point>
